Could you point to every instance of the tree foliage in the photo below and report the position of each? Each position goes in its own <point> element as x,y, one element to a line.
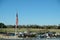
<point>2,25</point>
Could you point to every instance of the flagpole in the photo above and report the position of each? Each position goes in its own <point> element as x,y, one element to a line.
<point>16,24</point>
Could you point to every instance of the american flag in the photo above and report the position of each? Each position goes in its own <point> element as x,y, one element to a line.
<point>16,20</point>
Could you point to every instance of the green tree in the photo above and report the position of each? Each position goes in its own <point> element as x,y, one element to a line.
<point>2,25</point>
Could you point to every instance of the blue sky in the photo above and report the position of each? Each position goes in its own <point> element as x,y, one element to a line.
<point>40,12</point>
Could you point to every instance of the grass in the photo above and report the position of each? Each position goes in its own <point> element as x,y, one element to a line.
<point>30,29</point>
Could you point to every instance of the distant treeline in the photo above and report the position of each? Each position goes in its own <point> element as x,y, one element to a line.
<point>2,25</point>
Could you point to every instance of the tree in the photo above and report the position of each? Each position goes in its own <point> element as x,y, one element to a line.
<point>59,26</point>
<point>2,25</point>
